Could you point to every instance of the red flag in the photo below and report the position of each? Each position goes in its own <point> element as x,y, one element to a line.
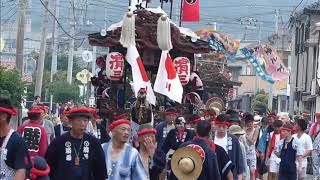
<point>190,11</point>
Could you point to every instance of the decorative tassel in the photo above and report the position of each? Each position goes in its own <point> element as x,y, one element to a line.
<point>128,30</point>
<point>164,33</point>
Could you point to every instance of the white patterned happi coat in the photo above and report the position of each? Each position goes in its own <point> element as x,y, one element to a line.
<point>6,172</point>
<point>316,155</point>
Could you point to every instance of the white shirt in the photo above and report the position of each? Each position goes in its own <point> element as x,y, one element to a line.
<point>223,142</point>
<point>306,145</point>
<point>273,156</point>
<point>295,145</point>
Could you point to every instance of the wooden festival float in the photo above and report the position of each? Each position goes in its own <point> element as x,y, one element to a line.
<point>111,82</point>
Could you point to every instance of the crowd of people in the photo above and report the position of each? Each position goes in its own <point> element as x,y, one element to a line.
<point>228,146</point>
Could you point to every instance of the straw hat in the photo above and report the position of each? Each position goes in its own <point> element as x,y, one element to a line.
<point>236,130</point>
<point>186,163</point>
<point>257,120</point>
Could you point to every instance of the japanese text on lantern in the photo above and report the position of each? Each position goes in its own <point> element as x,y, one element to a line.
<point>182,65</point>
<point>114,66</point>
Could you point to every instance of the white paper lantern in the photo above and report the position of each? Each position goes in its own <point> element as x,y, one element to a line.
<point>182,65</point>
<point>114,66</point>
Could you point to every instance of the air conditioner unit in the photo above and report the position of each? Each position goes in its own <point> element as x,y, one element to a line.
<point>313,87</point>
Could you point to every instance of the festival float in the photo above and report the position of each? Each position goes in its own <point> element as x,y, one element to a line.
<point>147,43</point>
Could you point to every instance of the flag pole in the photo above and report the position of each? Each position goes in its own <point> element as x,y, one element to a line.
<point>124,83</point>
<point>180,13</point>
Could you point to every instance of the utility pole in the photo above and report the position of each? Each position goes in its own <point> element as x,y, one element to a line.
<point>40,64</point>
<point>55,34</point>
<point>93,66</point>
<point>20,35</point>
<point>71,45</point>
<point>277,21</point>
<point>0,29</point>
<point>270,98</point>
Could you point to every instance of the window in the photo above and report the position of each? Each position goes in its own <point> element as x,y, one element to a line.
<point>315,56</point>
<point>302,38</point>
<point>285,62</point>
<point>297,41</point>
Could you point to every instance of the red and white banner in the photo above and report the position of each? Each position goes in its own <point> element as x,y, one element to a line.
<point>167,81</point>
<point>182,65</point>
<point>114,66</point>
<point>139,74</point>
<point>190,11</point>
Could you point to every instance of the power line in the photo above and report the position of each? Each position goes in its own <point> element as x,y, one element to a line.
<point>55,18</point>
<point>297,6</point>
<point>4,22</point>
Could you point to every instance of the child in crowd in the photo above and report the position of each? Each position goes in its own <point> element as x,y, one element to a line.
<point>251,138</point>
<point>289,150</point>
<point>272,159</point>
<point>237,131</point>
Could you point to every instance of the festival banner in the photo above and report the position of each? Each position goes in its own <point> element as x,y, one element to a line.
<point>257,64</point>
<point>190,11</point>
<point>275,67</point>
<point>268,60</point>
<point>167,81</point>
<point>139,74</point>
<point>220,42</point>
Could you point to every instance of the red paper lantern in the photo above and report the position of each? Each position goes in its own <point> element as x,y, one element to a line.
<point>114,66</point>
<point>182,65</point>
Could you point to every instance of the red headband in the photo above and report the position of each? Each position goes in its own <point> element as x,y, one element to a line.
<point>42,107</point>
<point>35,173</point>
<point>223,123</point>
<point>10,111</point>
<point>80,109</point>
<point>272,115</point>
<point>196,120</point>
<point>146,131</point>
<point>120,116</point>
<point>35,110</point>
<point>117,123</point>
<point>170,113</point>
<point>287,129</point>
<point>143,90</point>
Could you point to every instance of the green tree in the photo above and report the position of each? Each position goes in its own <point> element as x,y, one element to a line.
<point>61,74</point>
<point>62,65</point>
<point>261,102</point>
<point>63,92</point>
<point>11,85</point>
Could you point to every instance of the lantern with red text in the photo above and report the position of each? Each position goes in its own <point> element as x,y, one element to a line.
<point>182,65</point>
<point>114,66</point>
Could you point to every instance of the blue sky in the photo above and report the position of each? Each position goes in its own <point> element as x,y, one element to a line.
<point>227,14</point>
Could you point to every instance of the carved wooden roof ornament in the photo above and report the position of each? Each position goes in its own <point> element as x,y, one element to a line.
<point>146,36</point>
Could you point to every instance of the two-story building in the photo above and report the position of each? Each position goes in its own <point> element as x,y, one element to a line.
<point>304,88</point>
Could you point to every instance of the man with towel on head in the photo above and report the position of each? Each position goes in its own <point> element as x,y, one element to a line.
<point>123,161</point>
